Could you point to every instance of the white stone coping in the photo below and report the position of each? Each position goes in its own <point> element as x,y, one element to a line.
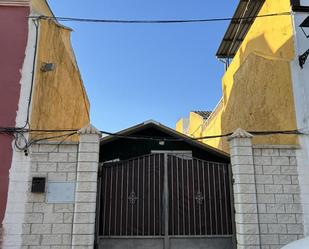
<point>57,143</point>
<point>276,146</point>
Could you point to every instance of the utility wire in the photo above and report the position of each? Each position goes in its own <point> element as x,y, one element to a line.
<point>36,23</point>
<point>10,130</point>
<point>121,21</point>
<point>22,143</point>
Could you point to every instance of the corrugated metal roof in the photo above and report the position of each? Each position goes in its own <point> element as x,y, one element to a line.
<point>238,29</point>
<point>204,114</point>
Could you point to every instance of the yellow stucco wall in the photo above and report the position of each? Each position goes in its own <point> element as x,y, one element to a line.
<point>179,125</point>
<point>257,87</point>
<point>196,124</point>
<point>41,7</point>
<point>59,97</point>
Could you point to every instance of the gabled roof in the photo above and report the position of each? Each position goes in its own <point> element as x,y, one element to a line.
<point>204,114</point>
<point>171,133</point>
<point>238,29</point>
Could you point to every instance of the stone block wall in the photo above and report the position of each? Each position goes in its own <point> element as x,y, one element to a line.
<point>50,224</point>
<point>86,189</point>
<point>268,210</point>
<point>34,221</point>
<point>278,195</point>
<point>42,224</point>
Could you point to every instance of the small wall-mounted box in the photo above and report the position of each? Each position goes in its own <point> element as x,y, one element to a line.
<point>38,185</point>
<point>48,67</point>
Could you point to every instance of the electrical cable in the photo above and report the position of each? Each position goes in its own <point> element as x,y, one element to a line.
<point>18,132</point>
<point>36,23</point>
<point>255,133</point>
<point>66,136</point>
<point>22,143</point>
<point>75,19</point>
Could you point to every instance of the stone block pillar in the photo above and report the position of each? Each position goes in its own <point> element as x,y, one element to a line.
<point>86,188</point>
<point>245,193</point>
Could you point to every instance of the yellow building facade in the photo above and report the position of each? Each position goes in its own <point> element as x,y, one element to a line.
<point>59,99</point>
<point>257,85</point>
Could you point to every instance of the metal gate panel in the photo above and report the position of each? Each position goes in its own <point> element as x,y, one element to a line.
<point>165,201</point>
<point>199,203</point>
<point>131,197</point>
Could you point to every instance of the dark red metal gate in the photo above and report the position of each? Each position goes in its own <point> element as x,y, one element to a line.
<point>164,196</point>
<point>131,197</point>
<point>199,199</point>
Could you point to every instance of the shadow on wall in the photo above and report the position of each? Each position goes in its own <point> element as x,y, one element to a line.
<point>261,96</point>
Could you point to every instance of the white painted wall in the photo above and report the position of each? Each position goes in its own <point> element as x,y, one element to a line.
<point>300,79</point>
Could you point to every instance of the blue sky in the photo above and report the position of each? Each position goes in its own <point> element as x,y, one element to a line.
<point>136,72</point>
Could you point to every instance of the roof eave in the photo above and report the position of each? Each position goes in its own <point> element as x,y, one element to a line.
<point>169,131</point>
<point>231,42</point>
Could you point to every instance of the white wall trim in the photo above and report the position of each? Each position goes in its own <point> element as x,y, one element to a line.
<point>301,92</point>
<point>275,146</point>
<point>15,3</point>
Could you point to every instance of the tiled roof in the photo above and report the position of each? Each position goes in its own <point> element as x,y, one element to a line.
<point>204,114</point>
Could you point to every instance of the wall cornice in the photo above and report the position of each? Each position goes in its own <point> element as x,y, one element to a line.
<point>14,3</point>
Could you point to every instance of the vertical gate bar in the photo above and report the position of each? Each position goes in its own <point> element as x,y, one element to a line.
<point>209,196</point>
<point>166,219</point>
<point>144,169</point>
<point>220,197</point>
<point>193,197</point>
<point>98,207</point>
<point>172,192</point>
<point>159,197</point>
<point>138,201</point>
<point>188,197</point>
<point>132,206</point>
<point>154,194</point>
<point>183,199</point>
<point>121,199</point>
<point>225,201</point>
<point>105,202</point>
<point>127,201</point>
<point>110,202</point>
<point>233,223</point>
<point>205,203</point>
<point>199,190</point>
<point>178,196</point>
<point>116,199</point>
<point>215,196</point>
<point>149,195</point>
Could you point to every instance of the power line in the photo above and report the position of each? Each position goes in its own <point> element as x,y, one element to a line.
<point>23,144</point>
<point>12,130</point>
<point>121,21</point>
<point>256,133</point>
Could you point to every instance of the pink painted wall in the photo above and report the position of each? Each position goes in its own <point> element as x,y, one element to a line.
<point>13,41</point>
